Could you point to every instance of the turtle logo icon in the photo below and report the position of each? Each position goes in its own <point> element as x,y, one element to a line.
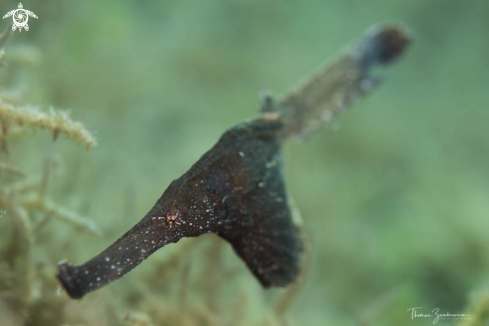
<point>20,17</point>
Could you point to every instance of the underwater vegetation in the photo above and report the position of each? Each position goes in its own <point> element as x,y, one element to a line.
<point>22,197</point>
<point>393,195</point>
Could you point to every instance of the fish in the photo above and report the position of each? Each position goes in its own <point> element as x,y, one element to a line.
<point>236,190</point>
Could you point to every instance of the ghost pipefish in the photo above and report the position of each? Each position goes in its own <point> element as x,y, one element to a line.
<point>236,189</point>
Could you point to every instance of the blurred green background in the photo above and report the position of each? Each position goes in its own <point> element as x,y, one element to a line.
<point>394,196</point>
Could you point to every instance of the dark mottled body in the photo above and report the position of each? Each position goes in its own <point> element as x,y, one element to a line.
<point>235,190</point>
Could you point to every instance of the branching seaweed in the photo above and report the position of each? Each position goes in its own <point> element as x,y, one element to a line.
<point>22,197</point>
<point>30,194</point>
<point>58,122</point>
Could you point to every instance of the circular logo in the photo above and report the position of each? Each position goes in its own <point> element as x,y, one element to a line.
<point>20,17</point>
